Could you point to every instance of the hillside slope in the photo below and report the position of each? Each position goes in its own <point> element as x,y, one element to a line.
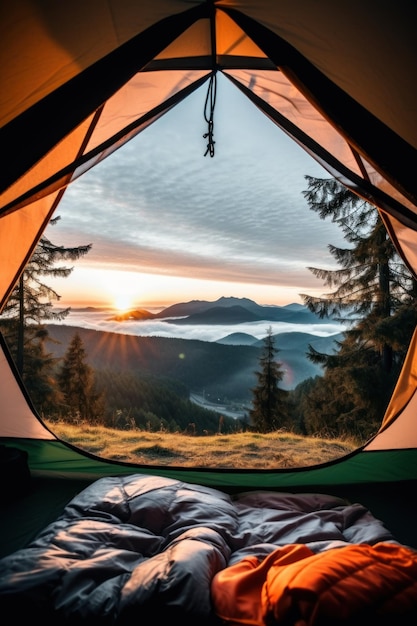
<point>220,370</point>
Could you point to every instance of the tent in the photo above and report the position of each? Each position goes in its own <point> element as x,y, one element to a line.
<point>81,79</point>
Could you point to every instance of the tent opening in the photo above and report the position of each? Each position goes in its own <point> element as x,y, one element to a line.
<point>192,263</point>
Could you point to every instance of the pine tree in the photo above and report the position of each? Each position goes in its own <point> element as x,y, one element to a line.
<point>40,381</point>
<point>270,403</point>
<point>373,284</point>
<point>29,306</point>
<point>374,293</point>
<point>77,384</point>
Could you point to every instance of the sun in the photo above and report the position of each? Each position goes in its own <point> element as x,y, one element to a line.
<point>123,302</point>
<point>121,288</point>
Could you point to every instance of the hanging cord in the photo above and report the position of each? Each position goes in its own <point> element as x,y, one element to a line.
<point>210,100</point>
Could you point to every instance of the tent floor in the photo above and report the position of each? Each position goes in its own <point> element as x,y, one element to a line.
<point>24,516</point>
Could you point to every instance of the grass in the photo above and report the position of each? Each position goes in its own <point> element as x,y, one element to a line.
<point>238,451</point>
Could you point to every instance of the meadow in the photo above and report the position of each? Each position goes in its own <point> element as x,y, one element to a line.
<point>244,450</point>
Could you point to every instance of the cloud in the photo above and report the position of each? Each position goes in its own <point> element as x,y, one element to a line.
<point>158,205</point>
<point>158,328</point>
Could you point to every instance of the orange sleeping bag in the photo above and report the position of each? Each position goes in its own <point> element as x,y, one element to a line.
<point>352,584</point>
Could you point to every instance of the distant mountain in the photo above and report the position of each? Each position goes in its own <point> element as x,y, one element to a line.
<point>287,342</point>
<point>238,339</point>
<point>219,315</point>
<point>89,309</point>
<point>224,311</point>
<point>300,341</point>
<point>136,315</point>
<point>183,309</point>
<point>292,350</point>
<point>294,306</point>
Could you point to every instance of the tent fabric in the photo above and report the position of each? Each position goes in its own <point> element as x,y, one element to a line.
<point>404,392</point>
<point>18,417</point>
<point>319,74</point>
<point>81,79</point>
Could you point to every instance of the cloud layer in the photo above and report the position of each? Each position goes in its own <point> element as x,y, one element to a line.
<point>158,328</point>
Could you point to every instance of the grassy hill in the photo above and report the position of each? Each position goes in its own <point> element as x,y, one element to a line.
<point>236,451</point>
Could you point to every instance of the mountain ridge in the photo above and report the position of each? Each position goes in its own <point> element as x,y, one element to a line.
<point>225,310</point>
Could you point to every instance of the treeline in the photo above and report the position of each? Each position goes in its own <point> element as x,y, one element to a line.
<point>125,399</point>
<point>147,403</point>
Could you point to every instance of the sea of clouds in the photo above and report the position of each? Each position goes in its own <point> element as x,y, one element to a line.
<point>102,320</point>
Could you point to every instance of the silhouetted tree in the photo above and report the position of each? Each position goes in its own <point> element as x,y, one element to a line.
<point>372,283</point>
<point>270,403</point>
<point>77,384</point>
<point>28,307</point>
<point>375,294</point>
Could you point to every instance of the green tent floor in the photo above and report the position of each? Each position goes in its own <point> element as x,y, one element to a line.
<point>24,516</point>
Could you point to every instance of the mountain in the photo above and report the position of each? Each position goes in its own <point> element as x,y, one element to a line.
<point>292,348</point>
<point>219,315</point>
<point>226,310</point>
<point>137,315</point>
<point>183,309</point>
<point>294,306</point>
<point>238,339</point>
<point>291,341</point>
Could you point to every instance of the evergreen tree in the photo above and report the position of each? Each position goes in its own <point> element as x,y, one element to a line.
<point>374,293</point>
<point>270,403</point>
<point>77,384</point>
<point>28,308</point>
<point>39,379</point>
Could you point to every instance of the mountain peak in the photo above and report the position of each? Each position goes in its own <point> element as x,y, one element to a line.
<point>232,301</point>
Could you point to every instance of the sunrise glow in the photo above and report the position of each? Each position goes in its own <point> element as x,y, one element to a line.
<point>123,302</point>
<point>125,290</point>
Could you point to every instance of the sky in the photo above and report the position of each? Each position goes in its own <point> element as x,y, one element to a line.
<point>168,224</point>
